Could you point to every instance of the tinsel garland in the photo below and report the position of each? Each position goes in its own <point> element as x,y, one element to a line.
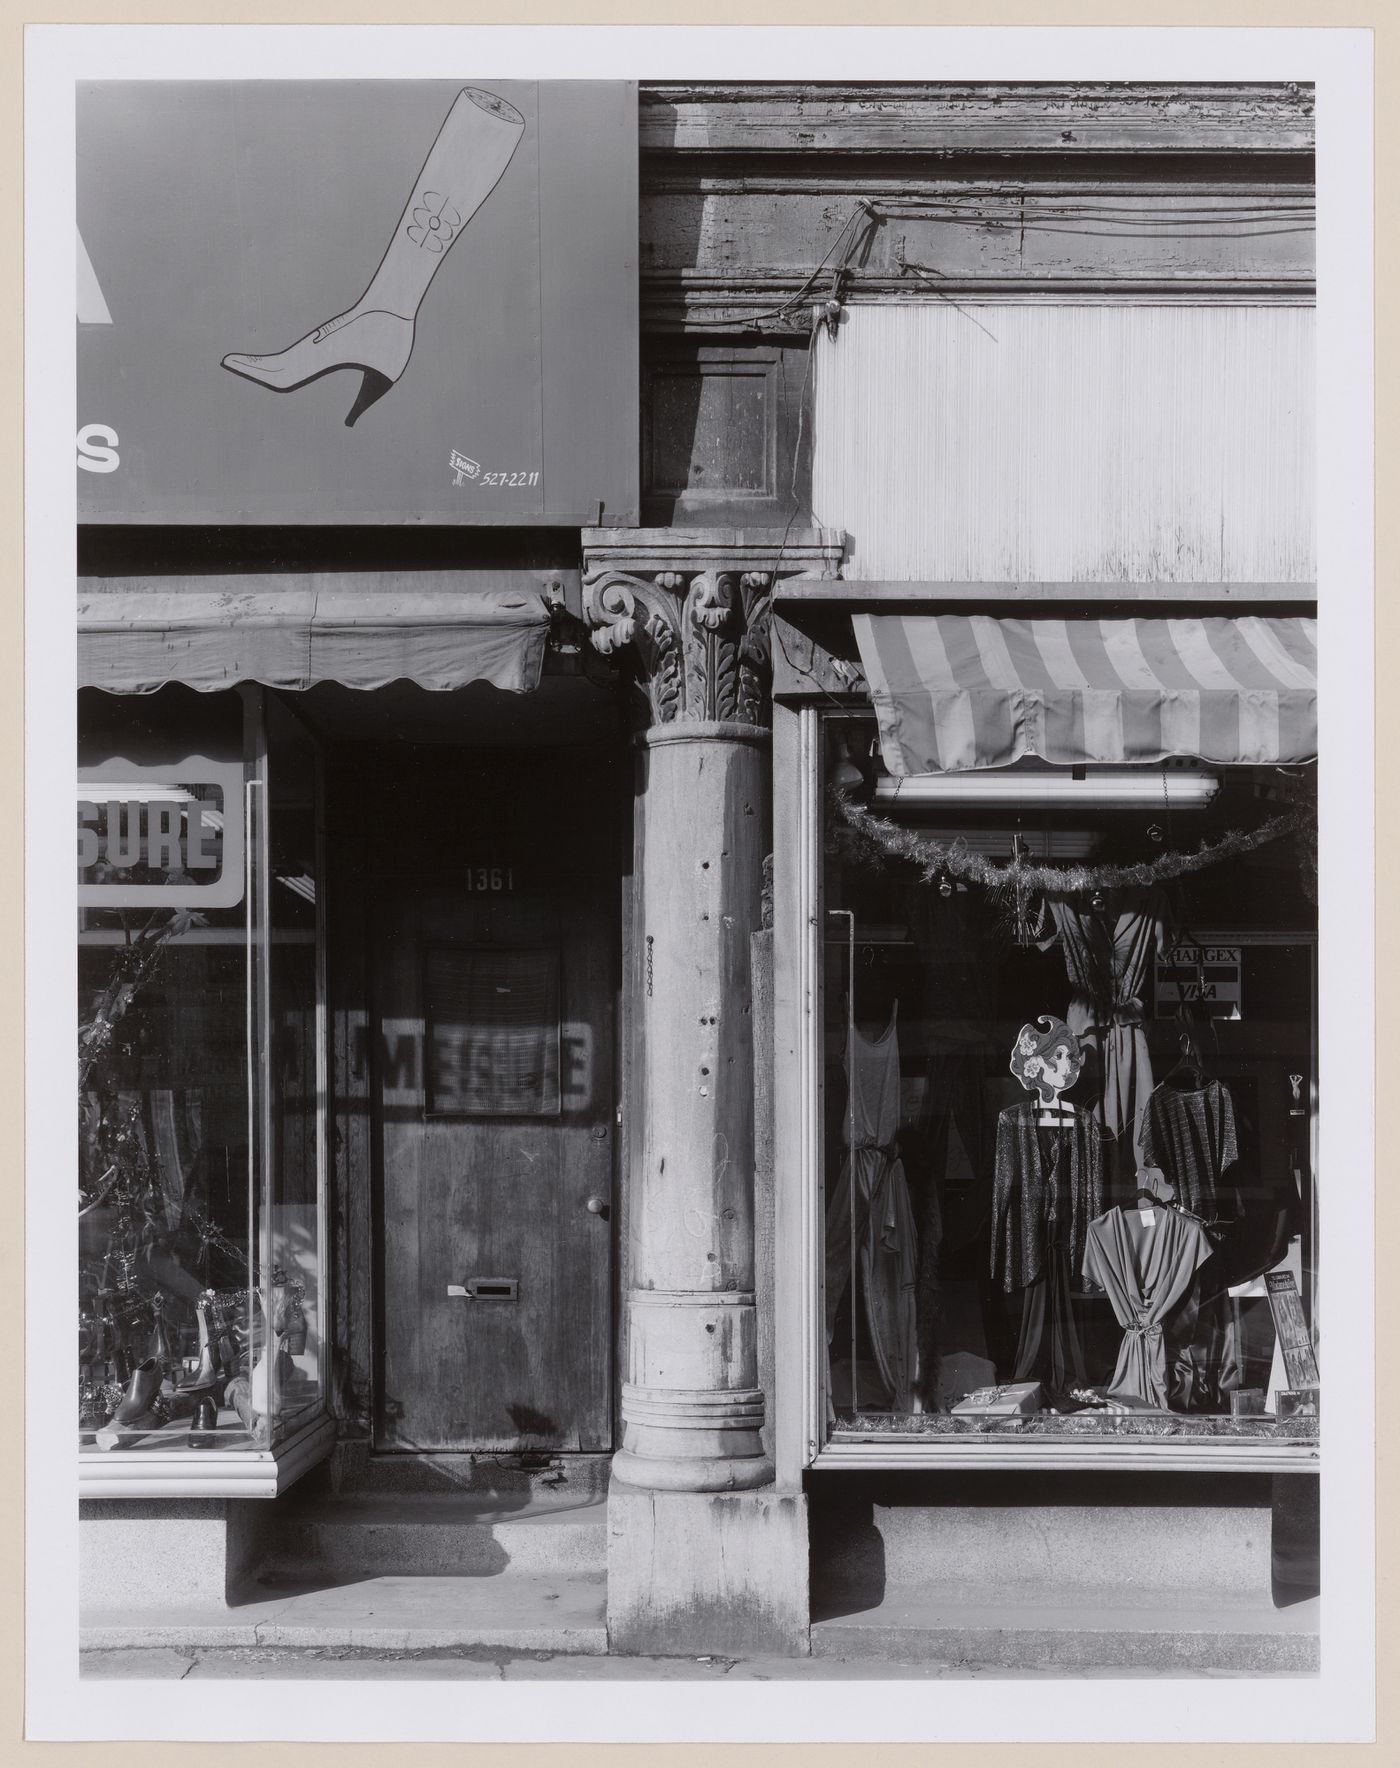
<point>937,859</point>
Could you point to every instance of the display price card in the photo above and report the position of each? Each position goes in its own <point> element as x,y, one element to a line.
<point>1295,1341</point>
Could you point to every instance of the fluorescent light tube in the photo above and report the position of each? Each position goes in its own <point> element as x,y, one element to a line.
<point>1102,788</point>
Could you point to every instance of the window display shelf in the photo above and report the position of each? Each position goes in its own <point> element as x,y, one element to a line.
<point>162,1466</point>
<point>1045,1451</point>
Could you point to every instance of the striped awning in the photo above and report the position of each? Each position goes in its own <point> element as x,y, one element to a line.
<point>954,692</point>
<point>364,629</point>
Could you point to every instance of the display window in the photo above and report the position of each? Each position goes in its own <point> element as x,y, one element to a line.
<point>201,1063</point>
<point>1065,1101</point>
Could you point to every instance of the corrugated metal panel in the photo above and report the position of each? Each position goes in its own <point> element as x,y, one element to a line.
<point>1069,444</point>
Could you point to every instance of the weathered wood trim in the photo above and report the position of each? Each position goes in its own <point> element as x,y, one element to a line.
<point>648,552</point>
<point>858,593</point>
<point>806,668</point>
<point>797,1082</point>
<point>686,305</point>
<point>720,248</point>
<point>630,1070</point>
<point>761,980</point>
<point>351,1211</point>
<point>1055,118</point>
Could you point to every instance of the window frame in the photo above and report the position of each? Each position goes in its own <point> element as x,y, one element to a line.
<point>254,1471</point>
<point>805,1440</point>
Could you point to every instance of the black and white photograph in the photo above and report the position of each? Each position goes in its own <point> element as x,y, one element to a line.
<point>720,1032</point>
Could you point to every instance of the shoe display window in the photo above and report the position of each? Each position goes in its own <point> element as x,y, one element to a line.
<point>202,1091</point>
<point>1061,1111</point>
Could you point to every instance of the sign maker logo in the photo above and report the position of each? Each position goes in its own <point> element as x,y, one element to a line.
<point>463,467</point>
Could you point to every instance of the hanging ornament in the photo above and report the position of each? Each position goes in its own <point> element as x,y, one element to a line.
<point>1024,909</point>
<point>945,885</point>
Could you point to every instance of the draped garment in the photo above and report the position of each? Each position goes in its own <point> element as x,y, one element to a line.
<point>872,1182</point>
<point>1145,1271</point>
<point>1037,1200</point>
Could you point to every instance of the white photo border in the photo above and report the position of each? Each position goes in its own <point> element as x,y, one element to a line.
<point>1336,1705</point>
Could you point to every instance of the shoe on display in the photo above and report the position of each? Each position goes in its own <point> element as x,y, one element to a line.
<point>204,1425</point>
<point>141,1391</point>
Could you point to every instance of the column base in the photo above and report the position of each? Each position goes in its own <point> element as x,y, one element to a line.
<point>678,1474</point>
<point>696,1572</point>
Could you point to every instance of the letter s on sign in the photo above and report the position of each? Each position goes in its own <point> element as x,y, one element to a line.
<point>97,449</point>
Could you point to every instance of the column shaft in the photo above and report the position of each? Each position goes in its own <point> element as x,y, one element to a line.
<point>692,1408</point>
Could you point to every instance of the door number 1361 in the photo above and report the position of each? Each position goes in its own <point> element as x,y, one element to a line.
<point>490,878</point>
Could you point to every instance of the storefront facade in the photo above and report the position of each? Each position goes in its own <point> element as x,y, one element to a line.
<point>479,1121</point>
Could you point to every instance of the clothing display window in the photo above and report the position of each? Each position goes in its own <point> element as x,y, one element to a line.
<point>201,1111</point>
<point>1068,1098</point>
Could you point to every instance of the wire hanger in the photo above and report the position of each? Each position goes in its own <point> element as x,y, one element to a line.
<point>1189,1062</point>
<point>1057,1115</point>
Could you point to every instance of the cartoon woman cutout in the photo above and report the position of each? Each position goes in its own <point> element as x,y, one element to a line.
<point>1047,1062</point>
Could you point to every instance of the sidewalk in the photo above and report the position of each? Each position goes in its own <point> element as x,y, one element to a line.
<point>340,1664</point>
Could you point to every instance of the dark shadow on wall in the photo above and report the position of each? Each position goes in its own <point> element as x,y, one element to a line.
<point>848,1568</point>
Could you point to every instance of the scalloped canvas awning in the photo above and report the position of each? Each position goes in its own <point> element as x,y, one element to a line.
<point>956,692</point>
<point>363,630</point>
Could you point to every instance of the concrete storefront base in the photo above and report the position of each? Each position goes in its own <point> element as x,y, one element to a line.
<point>692,1572</point>
<point>137,1554</point>
<point>1160,1632</point>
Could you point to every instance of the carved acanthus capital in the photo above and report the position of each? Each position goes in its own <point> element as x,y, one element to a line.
<point>697,642</point>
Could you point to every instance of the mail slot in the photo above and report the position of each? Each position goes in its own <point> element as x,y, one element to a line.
<point>487,1289</point>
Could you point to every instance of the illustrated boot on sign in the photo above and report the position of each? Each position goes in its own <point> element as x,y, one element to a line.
<point>464,165</point>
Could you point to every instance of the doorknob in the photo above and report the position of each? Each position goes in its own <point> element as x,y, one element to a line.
<point>597,1206</point>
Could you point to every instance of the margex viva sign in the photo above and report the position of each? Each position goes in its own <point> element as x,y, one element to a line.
<point>357,301</point>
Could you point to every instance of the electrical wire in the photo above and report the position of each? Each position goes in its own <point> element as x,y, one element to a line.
<point>862,209</point>
<point>1101,221</point>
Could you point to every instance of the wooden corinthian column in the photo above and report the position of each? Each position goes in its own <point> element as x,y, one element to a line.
<point>689,615</point>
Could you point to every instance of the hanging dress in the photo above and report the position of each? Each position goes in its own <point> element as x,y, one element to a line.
<point>1048,1184</point>
<point>1108,954</point>
<point>1145,1271</point>
<point>1190,1134</point>
<point>885,1238</point>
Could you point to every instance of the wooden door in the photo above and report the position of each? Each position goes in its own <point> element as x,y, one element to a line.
<point>494,1005</point>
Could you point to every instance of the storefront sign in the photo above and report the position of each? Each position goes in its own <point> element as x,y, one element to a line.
<point>1198,975</point>
<point>461,1064</point>
<point>169,837</point>
<point>335,301</point>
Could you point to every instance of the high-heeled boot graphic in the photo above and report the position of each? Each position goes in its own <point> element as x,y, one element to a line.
<point>464,165</point>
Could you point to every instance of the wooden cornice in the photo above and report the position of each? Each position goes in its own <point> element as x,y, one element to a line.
<point>1060,119</point>
<point>1025,193</point>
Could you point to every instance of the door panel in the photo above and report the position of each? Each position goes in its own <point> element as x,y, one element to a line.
<point>495,1117</point>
